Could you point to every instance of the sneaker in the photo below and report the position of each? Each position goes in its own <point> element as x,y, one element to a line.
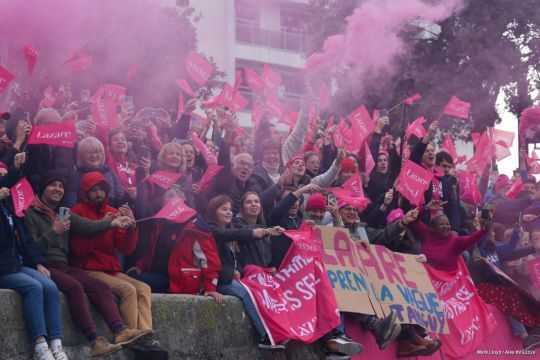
<point>43,354</point>
<point>127,336</point>
<point>343,345</point>
<point>386,330</point>
<point>59,353</point>
<point>531,342</point>
<point>101,348</point>
<point>266,344</point>
<point>335,356</point>
<point>408,348</point>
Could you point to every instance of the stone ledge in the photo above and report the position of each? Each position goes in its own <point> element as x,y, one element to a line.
<point>189,327</point>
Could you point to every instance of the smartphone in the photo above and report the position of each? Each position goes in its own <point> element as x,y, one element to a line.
<point>26,116</point>
<point>485,214</point>
<point>130,107</point>
<point>63,213</point>
<point>144,151</point>
<point>85,96</point>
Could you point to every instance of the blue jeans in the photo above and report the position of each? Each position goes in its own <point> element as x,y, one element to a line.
<point>159,283</point>
<point>41,301</point>
<point>338,330</point>
<point>237,289</point>
<point>516,325</point>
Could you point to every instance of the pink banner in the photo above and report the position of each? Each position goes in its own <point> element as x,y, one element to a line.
<point>104,113</point>
<point>61,134</point>
<point>469,320</point>
<point>5,78</point>
<point>22,195</point>
<point>413,181</point>
<point>209,175</point>
<point>289,118</point>
<point>297,303</point>
<point>30,56</point>
<point>175,210</point>
<point>457,108</point>
<point>208,156</point>
<point>164,179</point>
<point>534,271</point>
<point>198,68</point>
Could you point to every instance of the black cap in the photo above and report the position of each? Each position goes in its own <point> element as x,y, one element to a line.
<point>5,116</point>
<point>50,177</point>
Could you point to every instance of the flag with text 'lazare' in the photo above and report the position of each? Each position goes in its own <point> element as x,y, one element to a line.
<point>297,303</point>
<point>413,181</point>
<point>164,179</point>
<point>457,108</point>
<point>416,128</point>
<point>60,134</point>
<point>22,195</point>
<point>198,68</point>
<point>104,113</point>
<point>175,210</point>
<point>373,280</point>
<point>360,129</point>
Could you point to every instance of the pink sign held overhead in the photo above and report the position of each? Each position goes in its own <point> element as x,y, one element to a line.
<point>5,78</point>
<point>175,210</point>
<point>198,68</point>
<point>457,108</point>
<point>60,134</point>
<point>104,113</point>
<point>22,195</point>
<point>30,56</point>
<point>413,181</point>
<point>534,271</point>
<point>164,179</point>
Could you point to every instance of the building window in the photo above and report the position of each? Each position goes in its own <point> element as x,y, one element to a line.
<point>182,3</point>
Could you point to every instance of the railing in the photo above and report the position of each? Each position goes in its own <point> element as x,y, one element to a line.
<point>250,33</point>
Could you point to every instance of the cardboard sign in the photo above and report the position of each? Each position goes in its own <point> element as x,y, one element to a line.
<point>376,280</point>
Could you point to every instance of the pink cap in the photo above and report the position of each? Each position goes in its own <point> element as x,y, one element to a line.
<point>501,182</point>
<point>394,215</point>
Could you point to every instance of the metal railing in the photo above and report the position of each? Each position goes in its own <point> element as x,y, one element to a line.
<point>250,33</point>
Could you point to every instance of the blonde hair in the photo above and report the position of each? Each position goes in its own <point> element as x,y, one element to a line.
<point>182,168</point>
<point>89,143</point>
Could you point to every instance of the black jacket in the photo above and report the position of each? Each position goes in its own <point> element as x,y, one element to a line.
<point>257,252</point>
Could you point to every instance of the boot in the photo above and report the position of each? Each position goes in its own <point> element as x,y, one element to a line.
<point>127,336</point>
<point>101,348</point>
<point>431,345</point>
<point>408,348</point>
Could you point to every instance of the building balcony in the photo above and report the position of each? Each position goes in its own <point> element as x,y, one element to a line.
<point>291,40</point>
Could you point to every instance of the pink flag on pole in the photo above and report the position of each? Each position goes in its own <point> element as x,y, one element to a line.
<point>323,96</point>
<point>500,151</point>
<point>48,98</point>
<point>256,115</point>
<point>344,198</point>
<point>289,117</point>
<point>534,166</point>
<point>226,97</point>
<point>184,86</point>
<point>239,102</point>
<point>468,183</point>
<point>131,73</point>
<point>198,68</point>
<point>275,106</point>
<point>270,78</point>
<point>475,139</point>
<point>237,80</point>
<point>30,56</point>
<point>448,146</point>
<point>104,113</point>
<point>79,61</point>
<point>175,210</point>
<point>60,134</point>
<point>534,271</point>
<point>411,99</point>
<point>254,81</point>
<point>5,78</point>
<point>369,161</point>
<point>416,128</point>
<point>505,138</point>
<point>413,181</point>
<point>208,156</point>
<point>361,127</point>
<point>457,108</point>
<point>164,179</point>
<point>209,174</point>
<point>354,183</point>
<point>22,195</point>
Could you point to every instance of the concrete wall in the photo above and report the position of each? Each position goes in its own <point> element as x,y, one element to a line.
<point>190,327</point>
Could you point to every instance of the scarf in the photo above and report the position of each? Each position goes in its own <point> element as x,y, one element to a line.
<point>272,171</point>
<point>47,210</point>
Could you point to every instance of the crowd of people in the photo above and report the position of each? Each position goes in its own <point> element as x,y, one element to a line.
<point>269,182</point>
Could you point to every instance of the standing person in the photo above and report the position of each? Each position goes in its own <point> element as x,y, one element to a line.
<point>219,216</point>
<point>51,233</point>
<point>98,254</point>
<point>22,270</point>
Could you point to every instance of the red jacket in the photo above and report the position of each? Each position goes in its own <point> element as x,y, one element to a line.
<point>98,252</point>
<point>194,263</point>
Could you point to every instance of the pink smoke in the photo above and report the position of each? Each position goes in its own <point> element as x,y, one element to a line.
<point>371,42</point>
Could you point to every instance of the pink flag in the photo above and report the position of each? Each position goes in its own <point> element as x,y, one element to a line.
<point>175,210</point>
<point>448,146</point>
<point>118,92</point>
<point>275,106</point>
<point>254,82</point>
<point>30,56</point>
<point>60,134</point>
<point>79,61</point>
<point>198,68</point>
<point>23,196</point>
<point>239,102</point>
<point>359,203</point>
<point>208,156</point>
<point>48,97</point>
<point>131,73</point>
<point>369,164</point>
<point>164,179</point>
<point>104,113</point>
<point>534,166</point>
<point>514,189</point>
<point>209,174</point>
<point>457,108</point>
<point>338,134</point>
<point>505,138</point>
<point>289,117</point>
<point>475,139</point>
<point>534,271</point>
<point>411,99</point>
<point>181,106</point>
<point>416,128</point>
<point>226,97</point>
<point>5,78</point>
<point>361,127</point>
<point>270,78</point>
<point>184,86</point>
<point>237,80</point>
<point>500,151</point>
<point>413,181</point>
<point>354,183</point>
<point>307,318</point>
<point>256,115</point>
<point>468,183</point>
<point>328,126</point>
<point>323,96</point>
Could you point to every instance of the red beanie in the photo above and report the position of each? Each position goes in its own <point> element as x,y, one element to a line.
<point>316,201</point>
<point>348,165</point>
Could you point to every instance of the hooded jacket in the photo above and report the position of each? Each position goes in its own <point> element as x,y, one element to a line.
<point>98,253</point>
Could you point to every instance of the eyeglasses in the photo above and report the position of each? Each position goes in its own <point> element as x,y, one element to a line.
<point>245,164</point>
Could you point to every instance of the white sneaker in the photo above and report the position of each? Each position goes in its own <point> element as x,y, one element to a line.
<point>59,354</point>
<point>43,354</point>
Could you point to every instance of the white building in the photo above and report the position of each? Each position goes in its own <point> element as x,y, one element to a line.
<point>239,33</point>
